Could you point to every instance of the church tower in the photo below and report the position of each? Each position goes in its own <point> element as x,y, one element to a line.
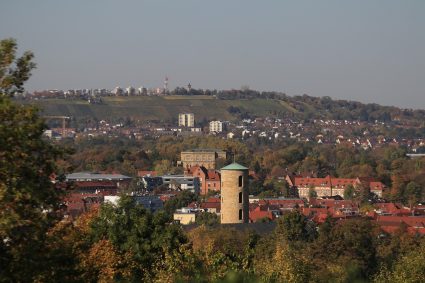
<point>234,194</point>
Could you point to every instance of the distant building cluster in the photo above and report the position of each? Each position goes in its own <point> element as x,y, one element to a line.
<point>226,195</point>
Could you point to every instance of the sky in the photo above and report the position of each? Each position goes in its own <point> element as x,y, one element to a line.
<point>362,50</point>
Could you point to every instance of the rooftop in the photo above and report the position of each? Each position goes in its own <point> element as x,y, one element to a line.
<point>234,166</point>
<point>86,176</point>
<point>204,150</point>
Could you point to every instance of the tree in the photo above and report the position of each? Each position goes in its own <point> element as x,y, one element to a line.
<point>362,194</point>
<point>207,218</point>
<point>181,200</point>
<point>349,192</point>
<point>413,193</point>
<point>288,266</point>
<point>14,72</point>
<point>312,193</point>
<point>294,227</point>
<point>132,230</point>
<point>28,199</point>
<point>349,250</point>
<point>164,167</point>
<point>408,268</point>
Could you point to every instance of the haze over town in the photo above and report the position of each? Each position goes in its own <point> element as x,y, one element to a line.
<point>370,51</point>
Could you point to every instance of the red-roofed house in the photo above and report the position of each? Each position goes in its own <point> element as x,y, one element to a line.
<point>330,186</point>
<point>390,224</point>
<point>260,212</point>
<point>377,188</point>
<point>209,179</point>
<point>212,205</point>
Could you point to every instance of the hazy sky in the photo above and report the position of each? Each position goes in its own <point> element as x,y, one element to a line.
<point>365,50</point>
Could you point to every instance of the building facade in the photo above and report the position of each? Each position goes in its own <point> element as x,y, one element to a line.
<point>216,126</point>
<point>186,120</point>
<point>181,182</point>
<point>209,179</point>
<point>331,186</point>
<point>234,194</point>
<point>201,157</point>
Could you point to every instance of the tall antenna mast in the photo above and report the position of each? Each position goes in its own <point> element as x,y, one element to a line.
<point>166,84</point>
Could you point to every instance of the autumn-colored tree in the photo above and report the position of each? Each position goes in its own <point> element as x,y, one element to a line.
<point>103,262</point>
<point>134,231</point>
<point>407,268</point>
<point>286,265</point>
<point>349,250</point>
<point>14,72</point>
<point>222,250</point>
<point>349,192</point>
<point>28,199</point>
<point>294,227</point>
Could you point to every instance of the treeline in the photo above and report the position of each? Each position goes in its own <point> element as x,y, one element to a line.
<point>125,243</point>
<point>310,107</point>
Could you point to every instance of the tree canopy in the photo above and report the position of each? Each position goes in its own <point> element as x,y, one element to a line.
<point>28,199</point>
<point>14,72</point>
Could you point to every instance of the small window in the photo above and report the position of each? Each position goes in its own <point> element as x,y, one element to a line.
<point>240,214</point>
<point>240,197</point>
<point>240,181</point>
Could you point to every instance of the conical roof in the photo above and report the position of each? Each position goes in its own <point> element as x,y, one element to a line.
<point>234,166</point>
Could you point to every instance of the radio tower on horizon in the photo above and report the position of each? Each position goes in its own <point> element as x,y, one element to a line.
<point>166,84</point>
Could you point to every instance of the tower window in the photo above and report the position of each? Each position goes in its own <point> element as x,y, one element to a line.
<point>240,197</point>
<point>240,214</point>
<point>240,181</point>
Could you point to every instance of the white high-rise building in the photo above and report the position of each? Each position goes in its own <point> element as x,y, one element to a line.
<point>117,91</point>
<point>130,91</point>
<point>141,91</point>
<point>186,120</point>
<point>216,126</point>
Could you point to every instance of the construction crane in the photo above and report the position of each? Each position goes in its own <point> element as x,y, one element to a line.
<point>63,118</point>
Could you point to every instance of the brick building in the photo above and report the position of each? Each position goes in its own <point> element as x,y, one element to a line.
<point>209,179</point>
<point>201,157</point>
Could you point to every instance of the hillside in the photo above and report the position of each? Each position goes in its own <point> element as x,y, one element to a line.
<point>228,105</point>
<point>159,108</point>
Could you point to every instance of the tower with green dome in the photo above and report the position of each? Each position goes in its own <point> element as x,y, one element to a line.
<point>234,194</point>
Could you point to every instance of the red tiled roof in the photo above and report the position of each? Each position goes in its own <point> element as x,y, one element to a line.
<point>257,213</point>
<point>213,175</point>
<point>95,184</point>
<point>327,181</point>
<point>212,199</point>
<point>333,203</point>
<point>376,186</point>
<point>310,211</point>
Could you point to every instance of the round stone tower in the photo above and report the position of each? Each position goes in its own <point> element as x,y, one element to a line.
<point>234,194</point>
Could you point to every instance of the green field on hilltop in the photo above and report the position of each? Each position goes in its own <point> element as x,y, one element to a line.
<point>159,108</point>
